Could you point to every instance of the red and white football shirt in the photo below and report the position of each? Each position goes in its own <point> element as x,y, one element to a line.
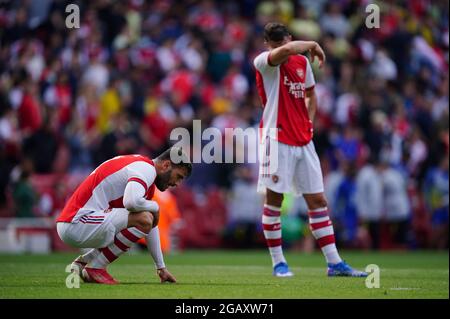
<point>282,90</point>
<point>105,186</point>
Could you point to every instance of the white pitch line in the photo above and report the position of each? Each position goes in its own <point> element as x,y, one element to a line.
<point>404,288</point>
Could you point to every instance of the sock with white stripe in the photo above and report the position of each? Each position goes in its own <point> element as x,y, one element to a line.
<point>89,256</point>
<point>271,222</point>
<point>122,242</point>
<point>322,230</point>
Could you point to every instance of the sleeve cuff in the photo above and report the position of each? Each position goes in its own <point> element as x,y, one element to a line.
<point>268,60</point>
<point>138,180</point>
<point>160,265</point>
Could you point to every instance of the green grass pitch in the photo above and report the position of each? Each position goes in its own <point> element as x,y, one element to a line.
<point>231,274</point>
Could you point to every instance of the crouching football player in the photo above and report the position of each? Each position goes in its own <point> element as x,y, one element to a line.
<point>112,209</point>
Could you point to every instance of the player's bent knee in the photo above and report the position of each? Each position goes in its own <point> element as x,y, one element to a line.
<point>143,221</point>
<point>146,222</point>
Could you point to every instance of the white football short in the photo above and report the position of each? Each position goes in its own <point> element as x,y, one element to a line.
<point>296,170</point>
<point>95,229</point>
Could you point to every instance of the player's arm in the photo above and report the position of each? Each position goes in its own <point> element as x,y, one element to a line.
<point>311,103</point>
<point>134,198</point>
<point>281,53</point>
<point>154,247</point>
<point>140,176</point>
<point>310,94</point>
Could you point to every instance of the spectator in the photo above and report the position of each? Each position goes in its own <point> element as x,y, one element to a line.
<point>244,206</point>
<point>23,193</point>
<point>42,146</point>
<point>110,105</point>
<point>59,97</point>
<point>30,109</point>
<point>334,22</point>
<point>397,209</point>
<point>346,214</point>
<point>437,199</point>
<point>369,199</point>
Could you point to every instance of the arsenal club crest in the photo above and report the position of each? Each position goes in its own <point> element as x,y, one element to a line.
<point>300,73</point>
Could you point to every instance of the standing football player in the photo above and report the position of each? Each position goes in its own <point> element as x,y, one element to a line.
<point>113,208</point>
<point>285,84</point>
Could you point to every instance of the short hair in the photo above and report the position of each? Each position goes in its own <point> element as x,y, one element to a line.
<point>274,31</point>
<point>177,157</point>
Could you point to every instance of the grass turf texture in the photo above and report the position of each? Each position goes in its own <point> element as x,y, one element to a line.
<point>231,274</point>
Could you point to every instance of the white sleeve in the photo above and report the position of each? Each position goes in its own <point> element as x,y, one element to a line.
<point>154,247</point>
<point>141,172</point>
<point>140,176</point>
<point>309,80</point>
<point>134,198</point>
<point>261,62</point>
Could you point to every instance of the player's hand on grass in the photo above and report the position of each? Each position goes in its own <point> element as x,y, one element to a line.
<point>317,51</point>
<point>165,275</point>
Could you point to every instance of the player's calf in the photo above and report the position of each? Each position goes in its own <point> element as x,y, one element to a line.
<point>139,225</point>
<point>271,221</point>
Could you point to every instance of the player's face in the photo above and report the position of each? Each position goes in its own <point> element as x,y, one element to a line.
<point>170,178</point>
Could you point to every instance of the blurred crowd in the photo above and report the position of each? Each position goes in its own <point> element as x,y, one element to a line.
<point>134,70</point>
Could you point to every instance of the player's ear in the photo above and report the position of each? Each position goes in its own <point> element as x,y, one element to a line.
<point>166,165</point>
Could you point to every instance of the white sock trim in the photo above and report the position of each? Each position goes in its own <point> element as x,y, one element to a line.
<point>322,232</point>
<point>90,255</point>
<point>272,234</point>
<point>274,208</point>
<point>124,240</point>
<point>318,220</point>
<point>136,232</point>
<point>115,250</point>
<point>100,262</point>
<point>270,220</point>
<point>276,253</point>
<point>331,254</point>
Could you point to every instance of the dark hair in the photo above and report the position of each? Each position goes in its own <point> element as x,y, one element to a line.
<point>274,31</point>
<point>177,157</point>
